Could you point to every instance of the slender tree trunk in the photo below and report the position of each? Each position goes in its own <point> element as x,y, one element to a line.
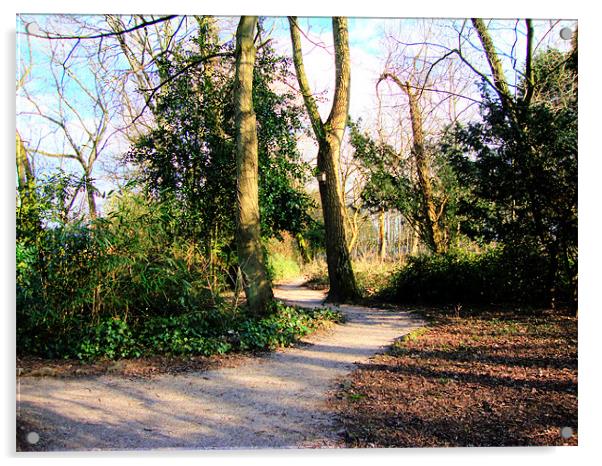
<point>329,135</point>
<point>435,234</point>
<point>382,240</point>
<point>415,242</point>
<point>353,225</point>
<point>303,249</point>
<point>90,189</point>
<point>257,285</point>
<point>28,215</point>
<point>24,172</point>
<point>29,224</point>
<point>495,64</point>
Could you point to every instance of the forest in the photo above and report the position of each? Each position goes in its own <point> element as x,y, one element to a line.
<point>175,173</point>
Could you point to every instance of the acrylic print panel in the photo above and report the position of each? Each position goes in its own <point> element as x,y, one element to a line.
<point>358,235</point>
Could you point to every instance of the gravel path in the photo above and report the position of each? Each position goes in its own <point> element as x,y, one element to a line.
<point>277,401</point>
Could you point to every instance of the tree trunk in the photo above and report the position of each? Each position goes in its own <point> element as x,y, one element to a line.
<point>340,271</point>
<point>329,135</point>
<point>28,215</point>
<point>415,242</point>
<point>435,238</point>
<point>90,195</point>
<point>257,286</point>
<point>353,225</point>
<point>382,240</point>
<point>434,233</point>
<point>495,64</point>
<point>303,248</point>
<point>24,172</point>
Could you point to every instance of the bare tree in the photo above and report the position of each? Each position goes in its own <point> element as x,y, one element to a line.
<point>329,135</point>
<point>80,115</point>
<point>436,92</point>
<point>27,200</point>
<point>143,42</point>
<point>431,212</point>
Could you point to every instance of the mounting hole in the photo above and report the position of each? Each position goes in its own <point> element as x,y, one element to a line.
<point>566,33</point>
<point>566,432</point>
<point>33,438</point>
<point>33,28</point>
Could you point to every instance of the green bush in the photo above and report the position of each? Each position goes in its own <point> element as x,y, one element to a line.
<point>58,318</point>
<point>283,327</point>
<point>497,275</point>
<point>111,338</point>
<point>128,285</point>
<point>129,266</point>
<point>282,267</point>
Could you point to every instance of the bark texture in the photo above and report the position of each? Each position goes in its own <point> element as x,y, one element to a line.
<point>257,285</point>
<point>435,235</point>
<point>329,135</point>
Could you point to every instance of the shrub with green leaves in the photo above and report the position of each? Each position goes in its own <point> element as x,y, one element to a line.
<point>494,276</point>
<point>129,285</point>
<point>130,265</point>
<point>282,267</point>
<point>283,327</point>
<point>193,334</point>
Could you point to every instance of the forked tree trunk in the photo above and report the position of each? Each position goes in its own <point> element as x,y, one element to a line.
<point>329,135</point>
<point>257,285</point>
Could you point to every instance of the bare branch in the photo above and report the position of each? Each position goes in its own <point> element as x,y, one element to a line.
<point>153,91</point>
<point>144,24</point>
<point>529,63</point>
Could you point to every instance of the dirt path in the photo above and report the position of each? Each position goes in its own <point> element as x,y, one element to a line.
<point>275,401</point>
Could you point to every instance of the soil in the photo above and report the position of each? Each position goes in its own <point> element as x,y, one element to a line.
<point>278,400</point>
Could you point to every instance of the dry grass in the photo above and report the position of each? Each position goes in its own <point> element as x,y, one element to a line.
<point>372,274</point>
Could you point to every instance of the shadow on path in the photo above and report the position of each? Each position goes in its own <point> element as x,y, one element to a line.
<point>271,402</point>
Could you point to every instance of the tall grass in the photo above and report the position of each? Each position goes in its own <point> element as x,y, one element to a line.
<point>129,266</point>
